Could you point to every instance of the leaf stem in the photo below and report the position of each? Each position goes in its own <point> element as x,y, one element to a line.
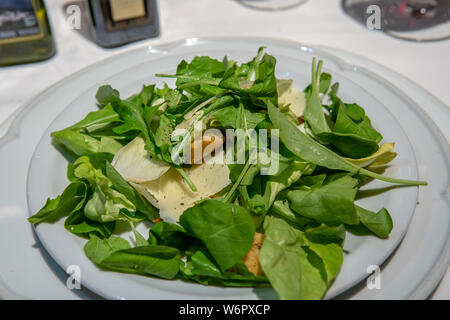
<point>231,192</point>
<point>186,178</point>
<point>392,180</point>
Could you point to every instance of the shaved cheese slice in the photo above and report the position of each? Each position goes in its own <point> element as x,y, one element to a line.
<point>134,163</point>
<point>150,190</point>
<point>288,95</point>
<point>175,196</point>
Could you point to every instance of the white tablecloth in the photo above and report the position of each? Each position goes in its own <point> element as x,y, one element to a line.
<point>320,22</point>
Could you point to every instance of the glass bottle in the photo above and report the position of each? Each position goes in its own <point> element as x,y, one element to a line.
<point>25,34</point>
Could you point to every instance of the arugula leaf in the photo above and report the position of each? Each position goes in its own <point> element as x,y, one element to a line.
<point>71,200</point>
<point>264,86</point>
<point>313,113</point>
<point>76,143</point>
<point>97,119</point>
<point>228,117</point>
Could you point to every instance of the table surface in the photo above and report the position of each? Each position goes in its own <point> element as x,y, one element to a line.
<point>317,22</point>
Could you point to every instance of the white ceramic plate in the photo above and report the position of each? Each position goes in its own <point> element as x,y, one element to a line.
<point>127,73</point>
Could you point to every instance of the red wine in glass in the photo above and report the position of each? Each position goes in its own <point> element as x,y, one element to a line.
<point>417,20</point>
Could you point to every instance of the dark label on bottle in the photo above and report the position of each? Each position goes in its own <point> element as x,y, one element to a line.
<point>18,21</point>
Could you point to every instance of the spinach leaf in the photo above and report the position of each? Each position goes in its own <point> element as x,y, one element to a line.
<point>349,145</point>
<point>325,235</point>
<point>352,134</point>
<point>294,270</point>
<point>281,209</point>
<point>299,267</point>
<point>79,224</point>
<point>279,257</point>
<point>312,151</point>
<point>201,268</point>
<point>304,146</point>
<point>115,254</point>
<point>332,203</point>
<point>226,230</point>
<point>159,261</point>
<point>97,249</point>
<point>172,235</point>
<point>379,223</point>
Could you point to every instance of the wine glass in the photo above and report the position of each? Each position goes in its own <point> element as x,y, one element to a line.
<point>271,5</point>
<point>414,20</point>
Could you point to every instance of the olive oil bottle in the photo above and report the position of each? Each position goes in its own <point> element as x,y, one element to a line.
<point>25,34</point>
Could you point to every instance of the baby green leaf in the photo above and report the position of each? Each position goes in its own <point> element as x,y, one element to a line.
<point>226,230</point>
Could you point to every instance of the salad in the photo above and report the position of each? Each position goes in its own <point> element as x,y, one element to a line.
<point>241,179</point>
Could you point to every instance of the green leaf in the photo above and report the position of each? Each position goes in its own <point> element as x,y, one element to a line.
<point>97,119</point>
<point>71,200</point>
<point>228,117</point>
<point>169,234</point>
<point>332,203</point>
<point>312,151</point>
<point>97,249</point>
<point>159,261</point>
<point>76,143</point>
<point>313,114</point>
<point>139,239</point>
<point>304,146</point>
<point>262,89</point>
<point>350,145</point>
<point>105,203</point>
<point>332,258</point>
<point>105,94</point>
<point>202,269</point>
<point>142,205</point>
<point>115,254</point>
<point>379,223</point>
<point>226,230</point>
<point>279,258</point>
<point>79,224</point>
<point>281,209</point>
<point>324,234</point>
